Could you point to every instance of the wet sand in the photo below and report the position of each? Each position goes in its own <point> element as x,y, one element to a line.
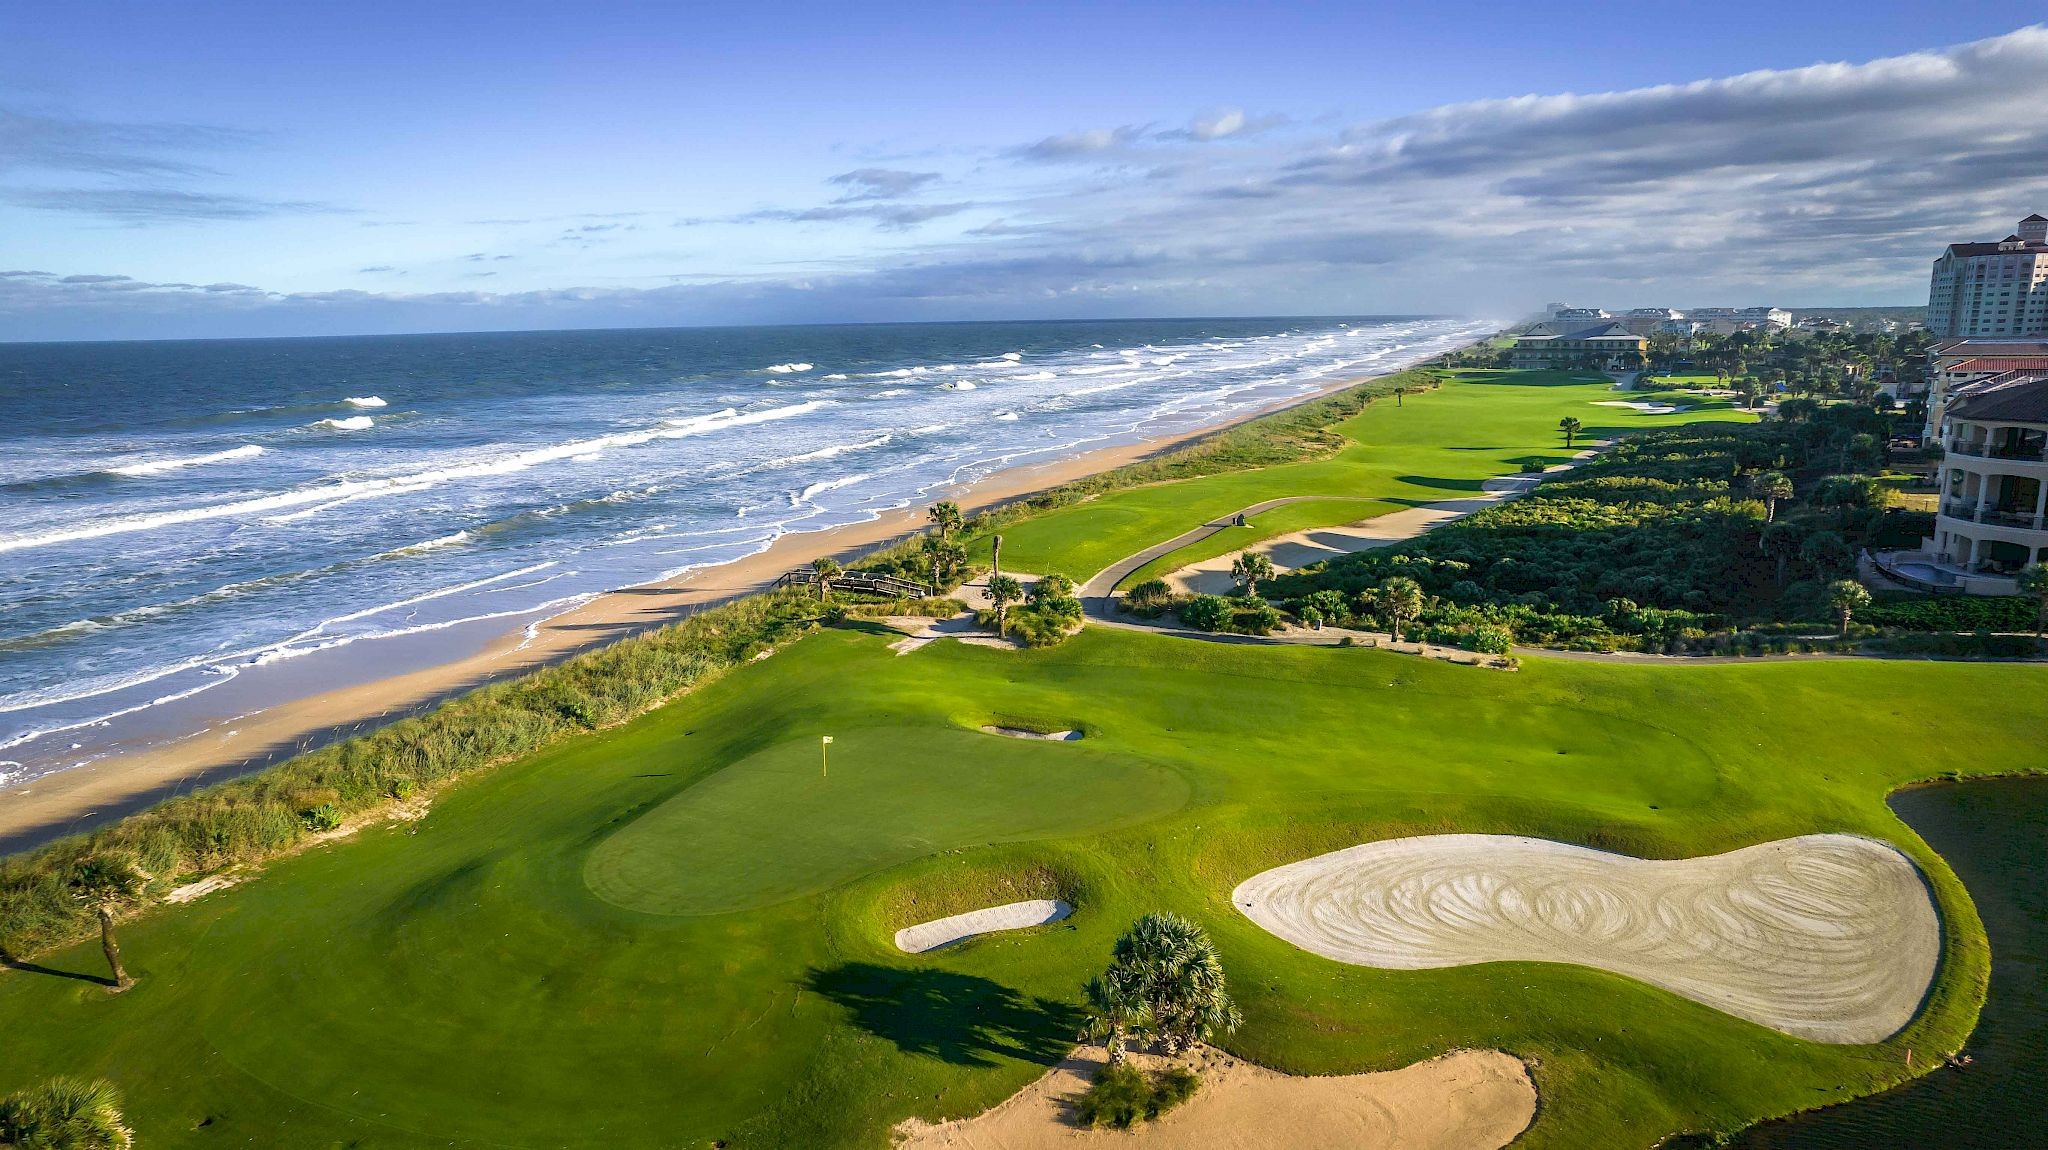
<point>354,692</point>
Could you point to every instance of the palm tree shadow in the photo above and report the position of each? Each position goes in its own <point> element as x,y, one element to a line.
<point>53,972</point>
<point>957,1018</point>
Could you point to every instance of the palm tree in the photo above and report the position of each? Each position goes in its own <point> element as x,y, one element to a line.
<point>2034,581</point>
<point>1115,1011</point>
<point>1003,591</point>
<point>945,515</point>
<point>1571,427</point>
<point>943,557</point>
<point>1847,597</point>
<point>1398,598</point>
<point>1166,982</point>
<point>107,883</point>
<point>1248,568</point>
<point>64,1114</point>
<point>1771,486</point>
<point>827,569</point>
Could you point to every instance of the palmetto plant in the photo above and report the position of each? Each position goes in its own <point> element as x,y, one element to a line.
<point>1847,597</point>
<point>826,570</point>
<point>1165,983</point>
<point>1003,591</point>
<point>1571,427</point>
<point>945,515</point>
<point>64,1114</point>
<point>1399,599</point>
<point>1248,568</point>
<point>1771,487</point>
<point>107,884</point>
<point>944,558</point>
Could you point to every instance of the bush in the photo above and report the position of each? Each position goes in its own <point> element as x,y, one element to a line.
<point>1254,617</point>
<point>323,818</point>
<point>1042,626</point>
<point>1206,612</point>
<point>1491,640</point>
<point>1950,613</point>
<point>1981,645</point>
<point>1123,1095</point>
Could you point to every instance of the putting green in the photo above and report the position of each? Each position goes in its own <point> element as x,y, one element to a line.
<point>779,824</point>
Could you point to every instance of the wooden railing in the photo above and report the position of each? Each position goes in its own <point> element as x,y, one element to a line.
<point>872,582</point>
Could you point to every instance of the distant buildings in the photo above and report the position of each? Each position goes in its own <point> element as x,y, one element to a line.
<point>1993,290</point>
<point>1601,344</point>
<point>1648,321</point>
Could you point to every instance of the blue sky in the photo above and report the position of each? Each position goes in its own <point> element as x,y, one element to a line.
<point>257,169</point>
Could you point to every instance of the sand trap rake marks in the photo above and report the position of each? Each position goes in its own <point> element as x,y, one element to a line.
<point>932,935</point>
<point>1827,937</point>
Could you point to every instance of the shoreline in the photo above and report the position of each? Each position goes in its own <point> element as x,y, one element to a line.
<point>78,799</point>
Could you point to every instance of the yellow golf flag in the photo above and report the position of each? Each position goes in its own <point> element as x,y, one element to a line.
<point>824,768</point>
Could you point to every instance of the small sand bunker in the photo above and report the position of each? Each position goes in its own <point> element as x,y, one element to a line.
<point>1471,1100</point>
<point>1647,408</point>
<point>1010,916</point>
<point>1827,937</point>
<point>1021,733</point>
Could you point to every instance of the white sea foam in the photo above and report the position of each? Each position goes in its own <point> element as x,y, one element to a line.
<point>1007,416</point>
<point>365,401</point>
<point>822,486</point>
<point>349,489</point>
<point>836,376</point>
<point>159,466</point>
<point>352,423</point>
<point>786,368</point>
<point>1014,356</point>
<point>958,385</point>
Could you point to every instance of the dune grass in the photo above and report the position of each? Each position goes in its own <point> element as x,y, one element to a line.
<point>1432,446</point>
<point>459,982</point>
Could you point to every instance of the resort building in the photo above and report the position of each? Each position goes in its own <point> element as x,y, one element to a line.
<point>1651,320</point>
<point>1997,290</point>
<point>1993,516</point>
<point>1957,363</point>
<point>1605,345</point>
<point>1576,317</point>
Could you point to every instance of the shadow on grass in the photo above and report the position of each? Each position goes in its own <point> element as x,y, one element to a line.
<point>53,972</point>
<point>1442,484</point>
<point>958,1018</point>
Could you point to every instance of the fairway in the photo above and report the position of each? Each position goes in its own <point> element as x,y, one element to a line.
<point>776,824</point>
<point>456,982</point>
<point>1432,446</point>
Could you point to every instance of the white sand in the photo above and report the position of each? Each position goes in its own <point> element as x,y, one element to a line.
<point>1010,916</point>
<point>1645,407</point>
<point>1827,937</point>
<point>1021,733</point>
<point>1470,1100</point>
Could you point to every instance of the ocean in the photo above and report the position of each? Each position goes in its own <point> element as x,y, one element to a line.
<point>178,515</point>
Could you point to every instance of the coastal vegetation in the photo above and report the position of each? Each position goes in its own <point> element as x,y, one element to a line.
<point>64,1114</point>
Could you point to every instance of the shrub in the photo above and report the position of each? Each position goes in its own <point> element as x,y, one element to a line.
<point>1206,612</point>
<point>402,788</point>
<point>1491,640</point>
<point>1950,613</point>
<point>1122,1095</point>
<point>1310,618</point>
<point>1042,626</point>
<point>323,818</point>
<point>1254,617</point>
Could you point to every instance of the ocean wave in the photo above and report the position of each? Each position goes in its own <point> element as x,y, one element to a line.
<point>328,494</point>
<point>786,368</point>
<point>821,487</point>
<point>1006,416</point>
<point>352,423</point>
<point>365,401</point>
<point>833,451</point>
<point>957,385</point>
<point>159,466</point>
<point>836,376</point>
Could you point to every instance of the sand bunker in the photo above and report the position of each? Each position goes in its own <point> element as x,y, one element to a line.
<point>1647,408</point>
<point>1021,733</point>
<point>1010,916</point>
<point>1471,1100</point>
<point>1828,937</point>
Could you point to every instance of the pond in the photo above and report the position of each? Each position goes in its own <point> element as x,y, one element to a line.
<point>1994,833</point>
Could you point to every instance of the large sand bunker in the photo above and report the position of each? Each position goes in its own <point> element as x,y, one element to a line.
<point>1471,1100</point>
<point>1827,937</point>
<point>1009,916</point>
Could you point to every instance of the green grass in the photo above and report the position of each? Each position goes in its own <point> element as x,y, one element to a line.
<point>458,982</point>
<point>1433,446</point>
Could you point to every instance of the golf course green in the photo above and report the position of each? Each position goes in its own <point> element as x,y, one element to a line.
<point>677,932</point>
<point>467,980</point>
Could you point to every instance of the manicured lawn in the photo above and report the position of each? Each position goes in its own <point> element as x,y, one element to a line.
<point>458,982</point>
<point>1431,447</point>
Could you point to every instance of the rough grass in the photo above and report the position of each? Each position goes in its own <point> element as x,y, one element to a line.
<point>456,982</point>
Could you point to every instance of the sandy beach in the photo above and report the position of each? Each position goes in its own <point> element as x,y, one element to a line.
<point>357,694</point>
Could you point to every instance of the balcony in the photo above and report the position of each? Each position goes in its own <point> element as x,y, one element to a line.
<point>2025,452</point>
<point>2009,519</point>
<point>1958,447</point>
<point>1960,510</point>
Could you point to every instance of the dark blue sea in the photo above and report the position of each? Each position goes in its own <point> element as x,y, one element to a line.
<point>176,515</point>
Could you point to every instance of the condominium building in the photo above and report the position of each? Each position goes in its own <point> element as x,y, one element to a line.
<point>1993,517</point>
<point>1650,320</point>
<point>1993,290</point>
<point>1957,363</point>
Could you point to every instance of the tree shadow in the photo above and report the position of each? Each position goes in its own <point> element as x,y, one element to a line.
<point>53,972</point>
<point>957,1018</point>
<point>1442,484</point>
